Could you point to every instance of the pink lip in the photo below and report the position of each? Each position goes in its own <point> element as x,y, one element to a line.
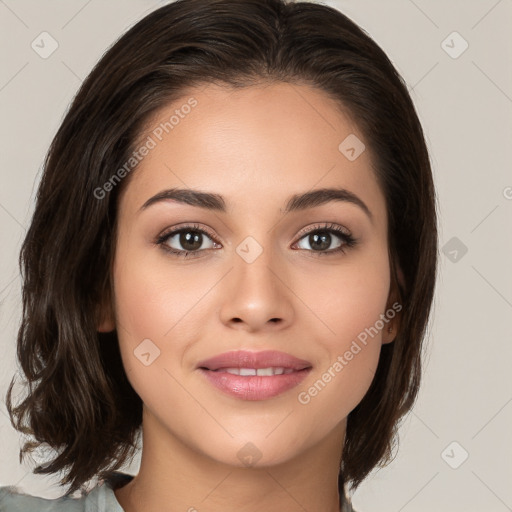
<point>254,387</point>
<point>246,359</point>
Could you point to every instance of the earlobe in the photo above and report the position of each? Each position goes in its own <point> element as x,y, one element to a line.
<point>393,315</point>
<point>105,317</point>
<point>389,334</point>
<point>107,324</point>
<point>390,330</point>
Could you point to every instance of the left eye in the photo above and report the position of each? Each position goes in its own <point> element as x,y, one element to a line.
<point>321,240</point>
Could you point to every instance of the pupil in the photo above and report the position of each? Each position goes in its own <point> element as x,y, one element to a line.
<point>320,241</point>
<point>190,240</point>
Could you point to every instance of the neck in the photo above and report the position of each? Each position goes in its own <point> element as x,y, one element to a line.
<point>174,477</point>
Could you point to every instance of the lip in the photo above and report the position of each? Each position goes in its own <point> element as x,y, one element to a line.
<point>254,387</point>
<point>247,359</point>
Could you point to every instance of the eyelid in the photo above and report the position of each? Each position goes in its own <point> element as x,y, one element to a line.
<point>323,226</point>
<point>191,226</point>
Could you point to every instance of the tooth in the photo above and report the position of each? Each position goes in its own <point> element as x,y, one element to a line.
<point>262,372</point>
<point>247,371</point>
<point>265,372</point>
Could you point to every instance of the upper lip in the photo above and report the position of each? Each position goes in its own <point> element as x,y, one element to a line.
<point>247,359</point>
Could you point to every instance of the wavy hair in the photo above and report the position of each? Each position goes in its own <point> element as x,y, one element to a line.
<point>79,400</point>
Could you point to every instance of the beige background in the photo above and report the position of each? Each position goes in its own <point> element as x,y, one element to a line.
<point>465,104</point>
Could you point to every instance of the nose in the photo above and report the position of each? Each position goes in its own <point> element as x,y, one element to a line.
<point>256,295</point>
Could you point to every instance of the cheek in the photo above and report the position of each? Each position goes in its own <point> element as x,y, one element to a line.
<point>359,306</point>
<point>151,316</point>
<point>350,357</point>
<point>350,303</point>
<point>152,297</point>
<point>348,299</point>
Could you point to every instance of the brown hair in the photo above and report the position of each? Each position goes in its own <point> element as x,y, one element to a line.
<point>80,401</point>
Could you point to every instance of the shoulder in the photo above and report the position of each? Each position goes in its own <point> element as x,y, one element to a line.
<point>12,500</point>
<point>100,497</point>
<point>346,504</point>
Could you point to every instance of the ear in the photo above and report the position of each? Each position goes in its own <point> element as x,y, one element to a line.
<point>105,319</point>
<point>393,309</point>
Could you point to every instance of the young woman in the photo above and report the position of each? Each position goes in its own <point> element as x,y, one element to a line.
<point>233,254</point>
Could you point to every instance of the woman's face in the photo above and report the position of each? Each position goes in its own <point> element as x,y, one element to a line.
<point>264,273</point>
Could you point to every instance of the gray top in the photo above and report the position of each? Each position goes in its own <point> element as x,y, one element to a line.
<point>99,499</point>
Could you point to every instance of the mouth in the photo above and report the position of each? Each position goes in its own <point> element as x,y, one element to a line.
<point>254,375</point>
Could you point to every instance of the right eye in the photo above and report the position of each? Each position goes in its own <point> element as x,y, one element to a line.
<point>190,238</point>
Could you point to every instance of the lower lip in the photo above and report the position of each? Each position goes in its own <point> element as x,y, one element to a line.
<point>254,387</point>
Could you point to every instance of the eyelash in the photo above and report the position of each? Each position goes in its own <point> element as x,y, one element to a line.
<point>347,238</point>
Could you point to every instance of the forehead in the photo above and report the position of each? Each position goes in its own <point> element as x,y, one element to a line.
<point>268,141</point>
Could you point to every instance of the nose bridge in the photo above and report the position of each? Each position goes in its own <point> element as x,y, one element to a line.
<point>253,268</point>
<point>255,263</point>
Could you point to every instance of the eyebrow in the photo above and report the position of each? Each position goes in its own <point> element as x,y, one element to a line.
<point>297,202</point>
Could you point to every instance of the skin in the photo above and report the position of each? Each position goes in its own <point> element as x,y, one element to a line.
<point>256,147</point>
